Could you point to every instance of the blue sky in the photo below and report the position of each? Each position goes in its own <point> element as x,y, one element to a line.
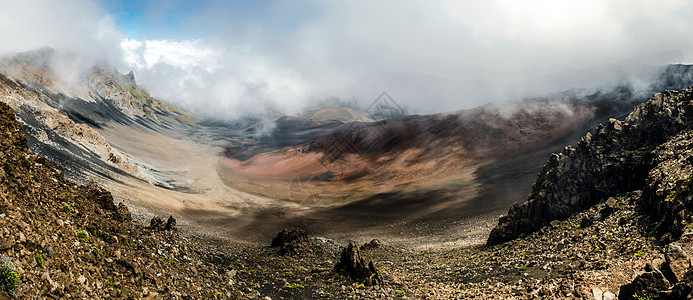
<point>190,19</point>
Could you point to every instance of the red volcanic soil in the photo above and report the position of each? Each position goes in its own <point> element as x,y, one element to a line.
<point>392,177</point>
<point>416,148</point>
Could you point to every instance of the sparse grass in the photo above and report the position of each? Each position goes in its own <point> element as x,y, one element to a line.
<point>25,161</point>
<point>67,208</point>
<point>83,236</point>
<point>672,195</point>
<point>295,286</point>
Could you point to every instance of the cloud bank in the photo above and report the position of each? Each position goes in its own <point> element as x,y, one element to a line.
<point>431,56</point>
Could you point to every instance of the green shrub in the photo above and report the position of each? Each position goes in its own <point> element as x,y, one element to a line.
<point>9,279</point>
<point>643,296</point>
<point>39,260</point>
<point>399,294</point>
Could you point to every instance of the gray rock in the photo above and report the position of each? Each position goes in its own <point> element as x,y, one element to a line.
<point>677,263</point>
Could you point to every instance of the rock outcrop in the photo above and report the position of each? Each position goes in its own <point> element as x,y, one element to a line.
<point>647,151</point>
<point>157,223</point>
<point>352,265</point>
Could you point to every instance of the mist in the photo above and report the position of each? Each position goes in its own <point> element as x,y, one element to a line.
<point>226,60</point>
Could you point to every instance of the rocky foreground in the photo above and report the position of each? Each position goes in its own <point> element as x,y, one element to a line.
<point>610,218</point>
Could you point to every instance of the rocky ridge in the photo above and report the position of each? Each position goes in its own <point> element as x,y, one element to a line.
<point>618,158</point>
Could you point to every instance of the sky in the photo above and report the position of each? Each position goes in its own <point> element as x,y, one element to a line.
<point>232,58</point>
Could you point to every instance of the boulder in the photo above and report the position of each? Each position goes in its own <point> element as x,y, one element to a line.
<point>648,284</point>
<point>290,241</point>
<point>678,291</point>
<point>374,243</point>
<point>677,263</point>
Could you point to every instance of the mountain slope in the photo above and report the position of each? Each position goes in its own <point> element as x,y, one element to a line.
<point>64,99</point>
<point>64,240</point>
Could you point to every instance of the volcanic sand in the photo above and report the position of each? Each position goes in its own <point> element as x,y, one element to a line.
<point>208,204</point>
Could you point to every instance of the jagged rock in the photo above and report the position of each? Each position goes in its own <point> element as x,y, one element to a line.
<point>677,264</point>
<point>374,243</point>
<point>170,224</point>
<point>101,197</point>
<point>617,158</point>
<point>290,241</point>
<point>352,265</point>
<point>648,284</point>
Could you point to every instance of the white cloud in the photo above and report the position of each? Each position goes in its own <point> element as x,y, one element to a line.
<point>556,22</point>
<point>429,55</point>
<point>71,24</point>
<point>212,78</point>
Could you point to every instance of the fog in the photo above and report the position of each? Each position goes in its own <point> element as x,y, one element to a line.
<point>226,60</point>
